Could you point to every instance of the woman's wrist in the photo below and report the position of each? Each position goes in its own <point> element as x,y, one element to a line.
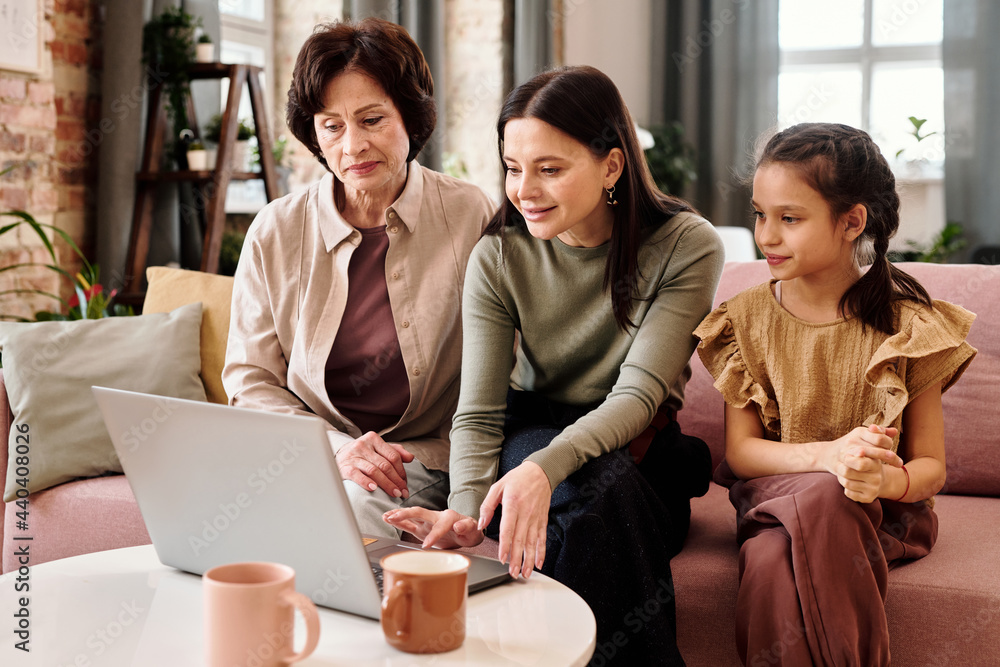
<point>896,483</point>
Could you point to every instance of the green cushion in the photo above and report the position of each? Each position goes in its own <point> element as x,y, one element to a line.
<point>49,368</point>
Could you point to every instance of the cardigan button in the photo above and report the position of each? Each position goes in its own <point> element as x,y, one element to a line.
<point>406,324</point>
<point>395,275</point>
<point>416,371</point>
<point>393,229</point>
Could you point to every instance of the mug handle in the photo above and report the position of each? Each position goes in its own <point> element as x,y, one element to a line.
<point>311,616</point>
<point>391,609</point>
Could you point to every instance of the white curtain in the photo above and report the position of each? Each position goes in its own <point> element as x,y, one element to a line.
<point>971,53</point>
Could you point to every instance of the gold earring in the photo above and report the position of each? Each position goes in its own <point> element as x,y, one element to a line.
<point>611,196</point>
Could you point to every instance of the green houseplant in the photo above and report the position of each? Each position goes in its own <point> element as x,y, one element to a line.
<point>168,49</point>
<point>204,50</point>
<point>89,300</point>
<point>244,132</point>
<point>944,244</point>
<point>671,160</point>
<point>213,129</point>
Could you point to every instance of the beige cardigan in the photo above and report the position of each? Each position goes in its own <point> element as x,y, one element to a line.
<point>291,289</point>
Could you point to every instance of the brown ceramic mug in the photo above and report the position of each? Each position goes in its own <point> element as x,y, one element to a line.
<point>423,606</point>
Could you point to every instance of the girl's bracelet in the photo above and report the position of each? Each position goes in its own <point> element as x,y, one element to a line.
<point>907,490</point>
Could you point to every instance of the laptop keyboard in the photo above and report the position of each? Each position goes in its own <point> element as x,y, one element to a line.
<point>377,571</point>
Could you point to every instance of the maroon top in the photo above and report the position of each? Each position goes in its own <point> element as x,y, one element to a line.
<point>365,375</point>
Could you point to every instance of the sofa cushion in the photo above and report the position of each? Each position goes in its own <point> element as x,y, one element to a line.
<point>172,288</point>
<point>973,457</point>
<point>942,609</point>
<point>49,368</point>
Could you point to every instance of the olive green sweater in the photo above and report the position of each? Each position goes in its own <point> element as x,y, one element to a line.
<point>571,349</point>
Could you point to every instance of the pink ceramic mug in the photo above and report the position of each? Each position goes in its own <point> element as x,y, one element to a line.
<point>250,614</point>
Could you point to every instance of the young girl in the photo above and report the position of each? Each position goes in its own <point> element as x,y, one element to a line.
<point>603,278</point>
<point>832,377</point>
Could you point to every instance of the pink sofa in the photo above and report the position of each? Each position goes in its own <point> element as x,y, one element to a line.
<point>943,610</point>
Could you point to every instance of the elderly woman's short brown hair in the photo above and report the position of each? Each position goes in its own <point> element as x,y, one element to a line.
<point>377,48</point>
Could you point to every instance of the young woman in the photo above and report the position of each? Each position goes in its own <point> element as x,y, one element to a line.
<point>601,278</point>
<point>832,377</point>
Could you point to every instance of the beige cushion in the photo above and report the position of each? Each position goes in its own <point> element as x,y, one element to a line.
<point>170,288</point>
<point>49,368</point>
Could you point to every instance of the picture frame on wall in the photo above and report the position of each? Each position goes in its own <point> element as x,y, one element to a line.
<point>21,25</point>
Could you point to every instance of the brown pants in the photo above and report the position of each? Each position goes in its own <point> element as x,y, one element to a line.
<point>813,569</point>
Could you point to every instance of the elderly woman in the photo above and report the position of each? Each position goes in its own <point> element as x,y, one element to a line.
<point>347,296</point>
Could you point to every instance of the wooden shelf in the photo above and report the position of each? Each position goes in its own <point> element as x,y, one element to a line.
<point>211,183</point>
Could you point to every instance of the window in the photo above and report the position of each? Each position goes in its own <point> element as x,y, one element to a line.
<point>247,37</point>
<point>871,64</point>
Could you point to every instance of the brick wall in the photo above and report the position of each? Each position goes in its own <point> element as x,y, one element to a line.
<point>44,125</point>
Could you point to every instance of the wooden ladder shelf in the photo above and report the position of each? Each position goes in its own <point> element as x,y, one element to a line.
<point>210,185</point>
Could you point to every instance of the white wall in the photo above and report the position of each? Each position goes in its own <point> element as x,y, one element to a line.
<point>613,36</point>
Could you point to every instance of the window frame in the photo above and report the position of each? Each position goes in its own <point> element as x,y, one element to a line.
<point>256,34</point>
<point>866,56</point>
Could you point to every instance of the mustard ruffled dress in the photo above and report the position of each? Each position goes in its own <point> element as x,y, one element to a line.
<point>813,381</point>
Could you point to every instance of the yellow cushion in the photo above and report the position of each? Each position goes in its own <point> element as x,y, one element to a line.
<point>171,288</point>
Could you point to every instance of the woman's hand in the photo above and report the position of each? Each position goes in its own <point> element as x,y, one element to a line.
<point>371,462</point>
<point>525,494</point>
<point>447,529</point>
<point>858,459</point>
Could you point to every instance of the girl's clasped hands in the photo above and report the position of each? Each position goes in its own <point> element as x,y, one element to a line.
<point>858,459</point>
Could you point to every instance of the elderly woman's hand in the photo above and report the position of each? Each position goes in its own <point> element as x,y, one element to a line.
<point>446,529</point>
<point>371,462</point>
<point>525,494</point>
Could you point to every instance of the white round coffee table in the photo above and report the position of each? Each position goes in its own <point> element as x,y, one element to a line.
<point>123,607</point>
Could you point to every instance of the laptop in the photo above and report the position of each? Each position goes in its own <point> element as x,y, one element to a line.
<point>217,484</point>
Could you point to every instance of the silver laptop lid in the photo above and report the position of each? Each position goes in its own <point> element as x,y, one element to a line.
<point>217,484</point>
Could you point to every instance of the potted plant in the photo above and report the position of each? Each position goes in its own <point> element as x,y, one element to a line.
<point>280,152</point>
<point>89,299</point>
<point>168,49</point>
<point>670,159</point>
<point>197,156</point>
<point>205,50</point>
<point>244,132</point>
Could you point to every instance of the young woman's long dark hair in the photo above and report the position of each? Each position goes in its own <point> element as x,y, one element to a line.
<point>585,104</point>
<point>846,167</point>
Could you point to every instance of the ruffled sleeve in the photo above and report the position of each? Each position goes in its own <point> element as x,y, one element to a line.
<point>720,353</point>
<point>929,349</point>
